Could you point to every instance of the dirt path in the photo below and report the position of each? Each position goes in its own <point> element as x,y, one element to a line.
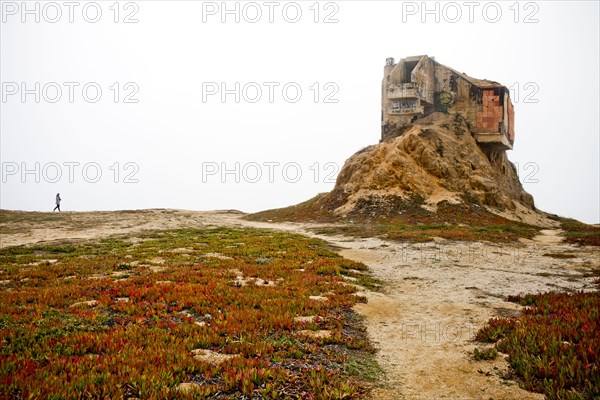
<point>436,295</point>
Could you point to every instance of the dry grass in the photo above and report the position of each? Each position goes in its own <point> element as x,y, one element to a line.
<point>398,219</point>
<point>579,233</point>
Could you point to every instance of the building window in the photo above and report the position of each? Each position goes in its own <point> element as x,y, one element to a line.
<point>403,105</point>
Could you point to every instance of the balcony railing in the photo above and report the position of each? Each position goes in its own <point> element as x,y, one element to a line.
<point>404,90</point>
<point>407,106</point>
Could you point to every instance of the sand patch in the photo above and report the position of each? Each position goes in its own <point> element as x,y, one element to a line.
<point>217,255</point>
<point>211,357</point>
<point>549,236</point>
<point>181,250</point>
<point>320,334</point>
<point>88,303</point>
<point>186,386</point>
<point>310,318</point>
<point>157,268</point>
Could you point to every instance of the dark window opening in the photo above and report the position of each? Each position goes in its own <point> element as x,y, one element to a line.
<point>408,69</point>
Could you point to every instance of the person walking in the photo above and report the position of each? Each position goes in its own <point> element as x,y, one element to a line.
<point>58,199</point>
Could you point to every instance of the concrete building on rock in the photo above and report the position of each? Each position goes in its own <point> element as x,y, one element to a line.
<point>417,86</point>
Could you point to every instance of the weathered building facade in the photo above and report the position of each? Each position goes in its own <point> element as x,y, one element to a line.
<point>417,86</point>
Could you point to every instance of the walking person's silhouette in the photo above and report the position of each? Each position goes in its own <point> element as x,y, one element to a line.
<point>58,199</point>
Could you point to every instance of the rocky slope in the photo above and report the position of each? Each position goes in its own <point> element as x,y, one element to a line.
<point>436,159</point>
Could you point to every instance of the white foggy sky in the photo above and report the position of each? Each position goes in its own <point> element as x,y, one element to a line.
<point>170,134</point>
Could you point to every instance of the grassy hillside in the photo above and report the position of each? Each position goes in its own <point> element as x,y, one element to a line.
<point>579,233</point>
<point>397,219</point>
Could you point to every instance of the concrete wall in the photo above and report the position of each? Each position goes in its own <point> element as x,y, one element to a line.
<point>424,73</point>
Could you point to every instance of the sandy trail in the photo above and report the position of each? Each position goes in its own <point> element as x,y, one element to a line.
<point>436,295</point>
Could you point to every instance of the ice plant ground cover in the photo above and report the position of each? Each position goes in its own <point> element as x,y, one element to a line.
<point>554,345</point>
<point>132,317</point>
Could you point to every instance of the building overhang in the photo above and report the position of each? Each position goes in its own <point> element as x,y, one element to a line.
<point>495,140</point>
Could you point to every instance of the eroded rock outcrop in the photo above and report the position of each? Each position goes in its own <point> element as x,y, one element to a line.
<point>435,159</point>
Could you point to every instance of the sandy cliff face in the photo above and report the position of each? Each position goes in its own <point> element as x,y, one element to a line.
<point>435,159</point>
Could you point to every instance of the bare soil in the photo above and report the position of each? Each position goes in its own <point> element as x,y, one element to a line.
<point>435,297</point>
